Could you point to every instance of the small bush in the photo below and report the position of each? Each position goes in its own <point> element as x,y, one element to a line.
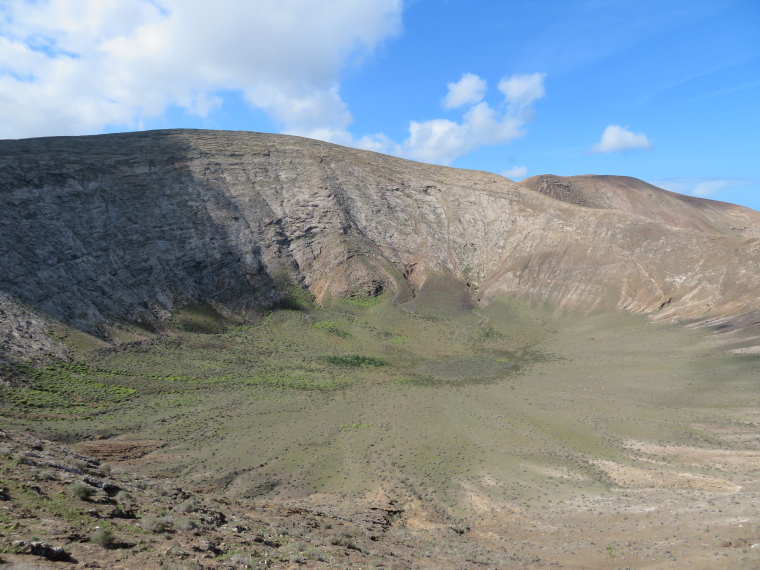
<point>124,498</point>
<point>102,537</point>
<point>242,560</point>
<point>41,475</point>
<point>333,328</point>
<point>105,469</point>
<point>154,524</point>
<point>82,491</point>
<point>185,524</point>
<point>186,507</point>
<point>354,360</point>
<point>343,539</point>
<point>79,464</point>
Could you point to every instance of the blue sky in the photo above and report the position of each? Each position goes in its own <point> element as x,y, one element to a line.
<point>663,91</point>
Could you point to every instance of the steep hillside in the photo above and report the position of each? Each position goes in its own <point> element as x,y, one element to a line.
<point>129,227</point>
<point>638,197</point>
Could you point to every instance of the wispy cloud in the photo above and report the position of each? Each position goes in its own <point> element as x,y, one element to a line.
<point>723,91</point>
<point>617,139</point>
<point>673,84</point>
<point>702,187</point>
<point>587,31</point>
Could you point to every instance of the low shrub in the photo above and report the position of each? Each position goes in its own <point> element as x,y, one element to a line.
<point>41,475</point>
<point>242,560</point>
<point>185,524</point>
<point>102,537</point>
<point>343,539</point>
<point>79,464</point>
<point>167,490</point>
<point>186,507</point>
<point>154,524</point>
<point>124,498</point>
<point>82,491</point>
<point>333,328</point>
<point>354,360</point>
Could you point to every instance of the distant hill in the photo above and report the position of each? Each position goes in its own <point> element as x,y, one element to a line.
<point>643,199</point>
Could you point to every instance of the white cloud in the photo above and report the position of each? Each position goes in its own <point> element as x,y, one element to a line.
<point>73,67</point>
<point>515,172</point>
<point>467,91</point>
<point>702,187</point>
<point>442,141</point>
<point>522,90</point>
<point>616,138</point>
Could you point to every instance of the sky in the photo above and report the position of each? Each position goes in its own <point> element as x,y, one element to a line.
<point>667,92</point>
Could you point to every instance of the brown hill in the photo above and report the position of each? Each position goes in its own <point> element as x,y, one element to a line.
<point>128,227</point>
<point>643,199</point>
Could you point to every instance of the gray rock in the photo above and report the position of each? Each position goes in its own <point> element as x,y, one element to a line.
<point>23,334</point>
<point>42,549</point>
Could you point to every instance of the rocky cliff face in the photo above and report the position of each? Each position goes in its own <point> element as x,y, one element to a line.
<point>131,226</point>
<point>23,334</point>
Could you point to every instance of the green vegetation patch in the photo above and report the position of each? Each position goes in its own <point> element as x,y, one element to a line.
<point>300,382</point>
<point>199,318</point>
<point>364,301</point>
<point>354,360</point>
<point>297,299</point>
<point>473,370</point>
<point>62,387</point>
<point>333,328</point>
<point>354,426</point>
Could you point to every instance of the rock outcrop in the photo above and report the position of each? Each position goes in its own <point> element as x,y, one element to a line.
<point>23,334</point>
<point>128,227</point>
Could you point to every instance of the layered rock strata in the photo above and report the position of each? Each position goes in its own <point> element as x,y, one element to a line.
<point>128,227</point>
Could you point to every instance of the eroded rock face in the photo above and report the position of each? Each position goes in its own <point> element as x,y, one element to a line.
<point>23,334</point>
<point>131,226</point>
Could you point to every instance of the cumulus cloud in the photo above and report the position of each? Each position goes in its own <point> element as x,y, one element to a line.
<point>467,91</point>
<point>515,172</point>
<point>616,139</point>
<point>442,141</point>
<point>522,90</point>
<point>702,187</point>
<point>73,67</point>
